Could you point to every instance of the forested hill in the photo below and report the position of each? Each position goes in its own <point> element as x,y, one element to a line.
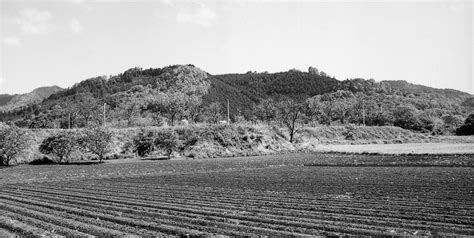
<point>131,91</point>
<point>246,90</point>
<point>405,88</point>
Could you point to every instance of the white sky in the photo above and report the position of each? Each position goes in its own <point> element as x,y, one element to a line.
<point>60,43</point>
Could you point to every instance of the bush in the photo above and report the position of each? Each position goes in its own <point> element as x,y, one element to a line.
<point>468,127</point>
<point>60,145</point>
<point>168,141</point>
<point>188,135</point>
<point>349,132</point>
<point>97,141</point>
<point>13,141</point>
<point>143,143</point>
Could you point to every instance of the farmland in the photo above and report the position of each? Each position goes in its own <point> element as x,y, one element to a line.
<point>279,195</point>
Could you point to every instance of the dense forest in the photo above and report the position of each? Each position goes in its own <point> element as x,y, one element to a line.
<point>142,97</point>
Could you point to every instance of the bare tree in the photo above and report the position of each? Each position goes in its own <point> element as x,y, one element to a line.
<point>290,115</point>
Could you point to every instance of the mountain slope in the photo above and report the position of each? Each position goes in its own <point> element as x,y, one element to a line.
<point>33,97</point>
<point>5,98</point>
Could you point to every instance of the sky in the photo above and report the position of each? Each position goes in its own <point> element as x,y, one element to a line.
<point>46,43</point>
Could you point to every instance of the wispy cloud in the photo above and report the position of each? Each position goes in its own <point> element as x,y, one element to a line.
<point>34,21</point>
<point>456,6</point>
<point>201,15</point>
<point>194,12</point>
<point>75,26</point>
<point>12,41</point>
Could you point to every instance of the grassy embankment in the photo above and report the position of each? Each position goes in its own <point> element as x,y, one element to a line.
<point>211,141</point>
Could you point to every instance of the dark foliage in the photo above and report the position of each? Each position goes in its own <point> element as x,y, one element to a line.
<point>143,143</point>
<point>468,127</point>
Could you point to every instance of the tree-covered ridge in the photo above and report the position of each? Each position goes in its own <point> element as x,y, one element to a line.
<point>141,97</point>
<point>292,83</point>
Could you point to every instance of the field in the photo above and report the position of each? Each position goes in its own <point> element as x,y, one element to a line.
<point>280,195</point>
<point>407,148</point>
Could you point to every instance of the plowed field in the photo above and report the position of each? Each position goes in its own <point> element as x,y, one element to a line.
<point>271,195</point>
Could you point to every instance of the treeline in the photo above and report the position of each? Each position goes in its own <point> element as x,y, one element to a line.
<point>186,94</point>
<point>344,107</point>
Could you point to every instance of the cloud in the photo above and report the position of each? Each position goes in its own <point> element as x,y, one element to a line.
<point>12,41</point>
<point>33,21</point>
<point>196,13</point>
<point>75,26</point>
<point>455,6</point>
<point>168,3</point>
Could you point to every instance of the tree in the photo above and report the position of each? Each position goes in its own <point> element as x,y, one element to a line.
<point>313,70</point>
<point>213,112</point>
<point>60,145</point>
<point>97,141</point>
<point>290,115</point>
<point>406,116</point>
<point>168,141</point>
<point>452,122</point>
<point>89,109</point>
<point>144,143</point>
<point>314,110</point>
<point>13,141</point>
<point>265,110</point>
<point>129,109</point>
<point>468,127</point>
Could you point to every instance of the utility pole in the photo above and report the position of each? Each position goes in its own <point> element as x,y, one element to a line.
<point>363,113</point>
<point>228,112</point>
<point>69,125</point>
<point>104,115</point>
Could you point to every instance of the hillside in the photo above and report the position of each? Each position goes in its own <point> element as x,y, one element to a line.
<point>23,100</point>
<point>128,95</point>
<point>404,88</point>
<point>246,90</point>
<point>5,98</point>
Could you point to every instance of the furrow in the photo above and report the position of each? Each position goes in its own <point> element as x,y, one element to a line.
<point>331,226</point>
<point>119,209</point>
<point>341,209</point>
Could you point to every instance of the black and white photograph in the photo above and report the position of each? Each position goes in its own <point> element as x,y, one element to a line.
<point>236,118</point>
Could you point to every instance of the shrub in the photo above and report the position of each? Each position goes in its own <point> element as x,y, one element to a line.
<point>13,141</point>
<point>452,122</point>
<point>349,132</point>
<point>188,135</point>
<point>60,145</point>
<point>168,141</point>
<point>97,141</point>
<point>468,127</point>
<point>143,143</point>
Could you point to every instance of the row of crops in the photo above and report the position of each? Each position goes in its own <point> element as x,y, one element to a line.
<point>248,202</point>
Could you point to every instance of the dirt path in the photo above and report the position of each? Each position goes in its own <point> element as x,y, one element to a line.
<point>409,148</point>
